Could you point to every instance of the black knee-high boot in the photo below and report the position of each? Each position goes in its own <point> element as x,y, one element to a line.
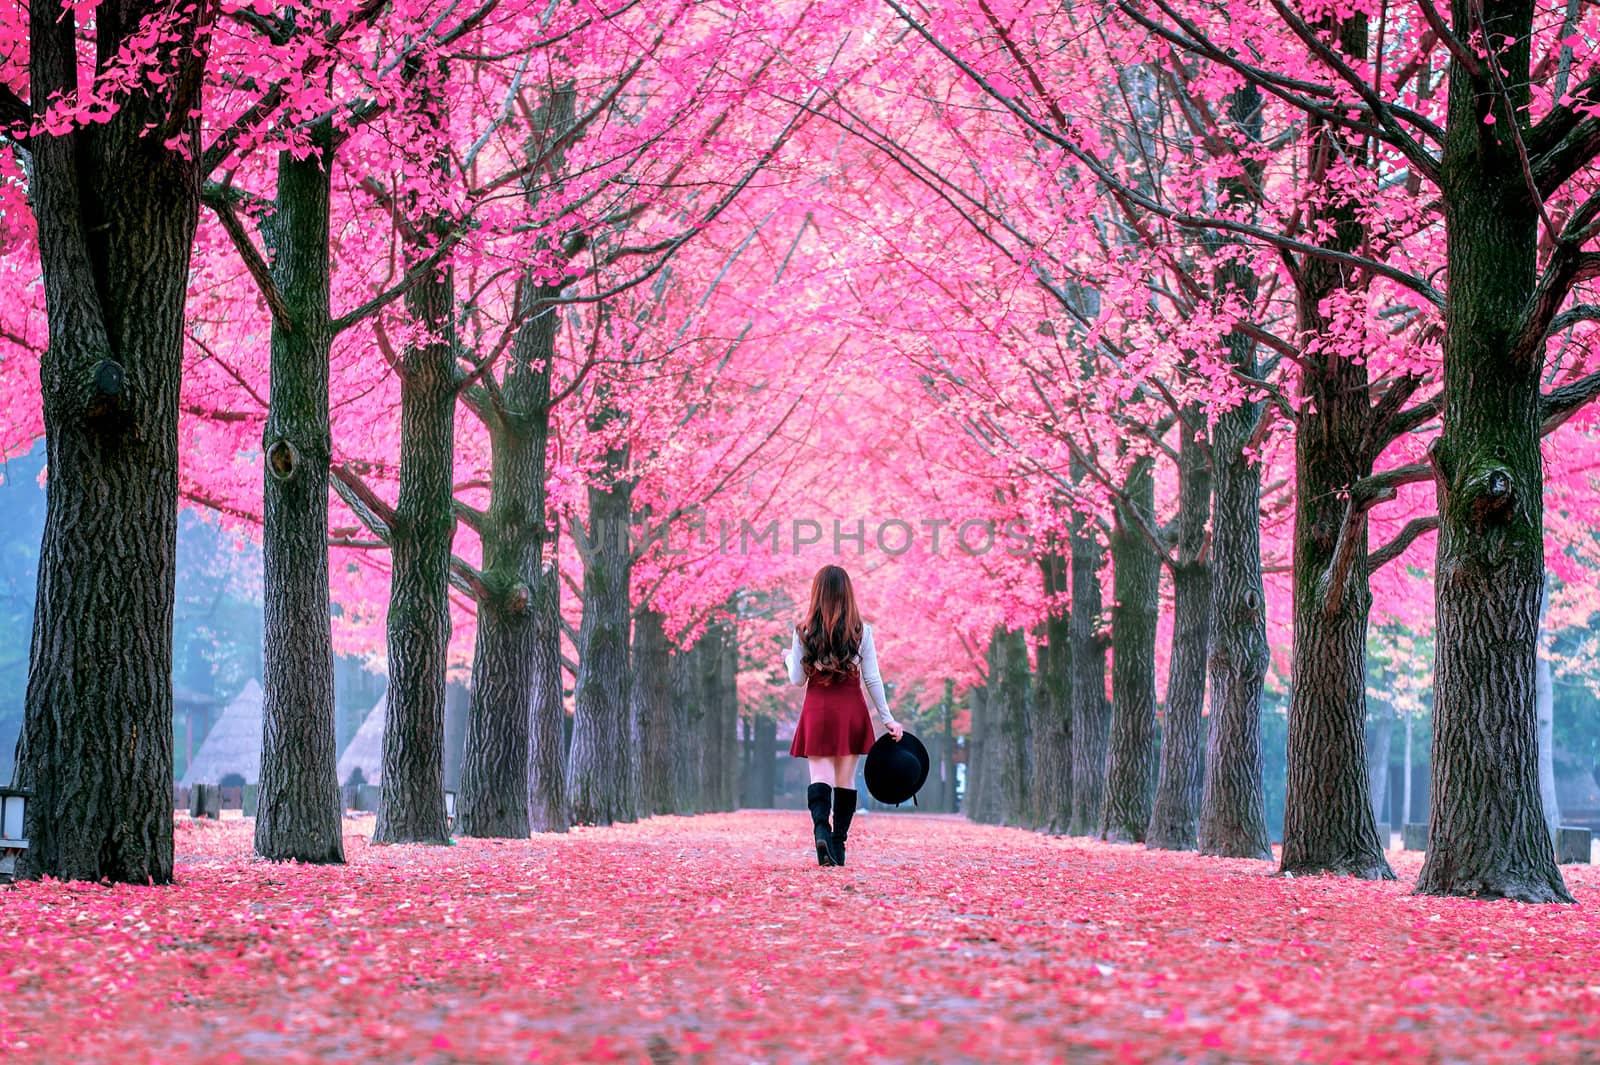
<point>820,798</point>
<point>844,809</point>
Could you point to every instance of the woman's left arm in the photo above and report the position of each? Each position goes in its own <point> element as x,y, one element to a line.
<point>873,679</point>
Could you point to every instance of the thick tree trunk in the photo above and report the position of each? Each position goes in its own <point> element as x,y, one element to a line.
<point>547,712</point>
<point>1131,743</point>
<point>421,538</point>
<point>1091,710</point>
<point>1052,707</point>
<point>498,771</point>
<point>1328,823</point>
<point>1486,834</point>
<point>1008,680</point>
<point>653,734</point>
<point>1232,806</point>
<point>1233,819</point>
<point>514,766</point>
<point>602,768</point>
<point>298,817</point>
<point>116,210</point>
<point>1173,821</point>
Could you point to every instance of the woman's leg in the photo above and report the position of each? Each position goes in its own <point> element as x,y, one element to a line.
<point>819,799</point>
<point>844,805</point>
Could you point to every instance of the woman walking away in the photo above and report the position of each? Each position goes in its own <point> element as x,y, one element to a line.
<point>833,656</point>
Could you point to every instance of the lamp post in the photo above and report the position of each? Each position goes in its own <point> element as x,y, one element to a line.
<point>13,803</point>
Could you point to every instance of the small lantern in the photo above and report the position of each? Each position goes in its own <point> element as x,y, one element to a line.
<point>450,810</point>
<point>13,803</point>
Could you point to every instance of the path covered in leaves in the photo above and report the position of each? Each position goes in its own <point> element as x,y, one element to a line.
<point>717,938</point>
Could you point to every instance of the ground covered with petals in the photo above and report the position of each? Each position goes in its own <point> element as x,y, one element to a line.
<point>717,938</point>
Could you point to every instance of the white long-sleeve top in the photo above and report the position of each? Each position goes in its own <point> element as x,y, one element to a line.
<point>870,677</point>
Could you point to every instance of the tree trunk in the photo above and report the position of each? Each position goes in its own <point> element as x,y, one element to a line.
<point>1052,716</point>
<point>1486,834</point>
<point>1131,743</point>
<point>947,730</point>
<point>497,771</point>
<point>1544,703</point>
<point>685,696</point>
<point>1091,710</point>
<point>1008,680</point>
<point>977,752</point>
<point>1232,806</point>
<point>298,817</point>
<point>602,781</point>
<point>1177,804</point>
<point>412,810</point>
<point>1405,777</point>
<point>1380,733</point>
<point>728,724</point>
<point>1328,821</point>
<point>547,711</point>
<point>514,766</point>
<point>653,735</point>
<point>116,210</point>
<point>763,785</point>
<point>1233,818</point>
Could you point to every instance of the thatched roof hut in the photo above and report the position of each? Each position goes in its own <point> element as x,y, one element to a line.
<point>365,750</point>
<point>233,746</point>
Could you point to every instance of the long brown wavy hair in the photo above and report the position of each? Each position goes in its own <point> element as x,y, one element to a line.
<point>830,638</point>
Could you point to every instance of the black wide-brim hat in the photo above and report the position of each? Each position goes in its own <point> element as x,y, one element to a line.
<point>896,769</point>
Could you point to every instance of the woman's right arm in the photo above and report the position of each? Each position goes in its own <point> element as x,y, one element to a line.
<point>797,675</point>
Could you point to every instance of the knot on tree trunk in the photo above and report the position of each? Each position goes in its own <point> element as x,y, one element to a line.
<point>107,389</point>
<point>519,598</point>
<point>1492,495</point>
<point>283,459</point>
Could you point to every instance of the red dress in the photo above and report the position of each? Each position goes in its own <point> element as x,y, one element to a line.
<point>833,720</point>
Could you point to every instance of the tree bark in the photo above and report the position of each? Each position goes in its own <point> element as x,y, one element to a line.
<point>1380,734</point>
<point>653,734</point>
<point>1328,816</point>
<point>947,731</point>
<point>1008,681</point>
<point>514,770</point>
<point>299,815</point>
<point>1544,704</point>
<point>116,209</point>
<point>1173,821</point>
<point>498,770</point>
<point>423,531</point>
<point>977,753</point>
<point>1131,743</point>
<point>1091,710</point>
<point>548,721</point>
<point>602,769</point>
<point>684,698</point>
<point>1486,835</point>
<point>1052,716</point>
<point>1232,806</point>
<point>728,716</point>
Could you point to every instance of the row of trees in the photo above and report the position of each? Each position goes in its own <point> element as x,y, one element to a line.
<point>1255,241</point>
<point>510,280</point>
<point>538,171</point>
